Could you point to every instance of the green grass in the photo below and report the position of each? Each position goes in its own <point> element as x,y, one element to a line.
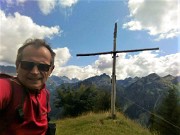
<point>99,124</point>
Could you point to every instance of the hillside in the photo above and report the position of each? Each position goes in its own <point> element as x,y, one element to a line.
<point>144,94</point>
<point>99,124</point>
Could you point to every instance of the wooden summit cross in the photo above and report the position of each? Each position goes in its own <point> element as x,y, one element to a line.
<point>114,52</point>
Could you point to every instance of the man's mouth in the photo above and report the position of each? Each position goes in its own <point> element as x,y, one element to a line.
<point>34,79</point>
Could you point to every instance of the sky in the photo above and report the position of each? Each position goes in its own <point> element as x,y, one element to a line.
<point>86,26</point>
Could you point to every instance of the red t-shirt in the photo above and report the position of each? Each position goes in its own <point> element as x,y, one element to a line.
<point>35,108</point>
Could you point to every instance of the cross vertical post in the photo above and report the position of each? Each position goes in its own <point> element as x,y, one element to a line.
<point>114,52</point>
<point>113,89</point>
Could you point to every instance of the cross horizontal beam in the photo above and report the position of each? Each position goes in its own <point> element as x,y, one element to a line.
<point>114,52</point>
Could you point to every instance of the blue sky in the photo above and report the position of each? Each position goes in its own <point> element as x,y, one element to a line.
<point>87,26</point>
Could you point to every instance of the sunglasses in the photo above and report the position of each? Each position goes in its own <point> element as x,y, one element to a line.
<point>27,65</point>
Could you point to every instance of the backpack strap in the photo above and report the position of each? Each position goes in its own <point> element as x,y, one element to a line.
<point>19,110</point>
<point>47,105</point>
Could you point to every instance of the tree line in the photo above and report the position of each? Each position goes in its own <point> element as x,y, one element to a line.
<point>75,102</point>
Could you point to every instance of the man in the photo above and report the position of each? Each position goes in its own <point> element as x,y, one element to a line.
<point>24,100</point>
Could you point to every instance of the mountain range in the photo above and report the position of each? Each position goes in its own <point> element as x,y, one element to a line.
<point>136,97</point>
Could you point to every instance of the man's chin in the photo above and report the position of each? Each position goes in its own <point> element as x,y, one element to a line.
<point>35,88</point>
<point>34,84</point>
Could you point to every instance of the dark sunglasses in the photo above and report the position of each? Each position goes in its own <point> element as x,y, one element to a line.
<point>27,65</point>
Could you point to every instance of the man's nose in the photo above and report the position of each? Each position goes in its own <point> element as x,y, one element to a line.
<point>35,70</point>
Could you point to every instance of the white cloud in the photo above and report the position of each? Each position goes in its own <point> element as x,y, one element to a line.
<point>15,29</point>
<point>46,6</point>
<point>139,65</point>
<point>77,72</point>
<point>159,18</point>
<point>62,56</point>
<point>67,3</point>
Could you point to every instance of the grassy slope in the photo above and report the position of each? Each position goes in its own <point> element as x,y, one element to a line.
<point>99,124</point>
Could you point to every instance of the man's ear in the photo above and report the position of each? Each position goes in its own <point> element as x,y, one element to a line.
<point>51,69</point>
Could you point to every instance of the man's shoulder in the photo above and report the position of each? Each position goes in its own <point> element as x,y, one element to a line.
<point>8,84</point>
<point>5,82</point>
<point>5,79</point>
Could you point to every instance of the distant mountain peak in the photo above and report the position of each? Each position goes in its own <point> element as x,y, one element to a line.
<point>104,75</point>
<point>168,77</point>
<point>100,80</point>
<point>153,76</point>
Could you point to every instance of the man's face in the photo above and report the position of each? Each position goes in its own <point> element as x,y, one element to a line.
<point>34,78</point>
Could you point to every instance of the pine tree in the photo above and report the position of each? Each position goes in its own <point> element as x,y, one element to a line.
<point>166,121</point>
